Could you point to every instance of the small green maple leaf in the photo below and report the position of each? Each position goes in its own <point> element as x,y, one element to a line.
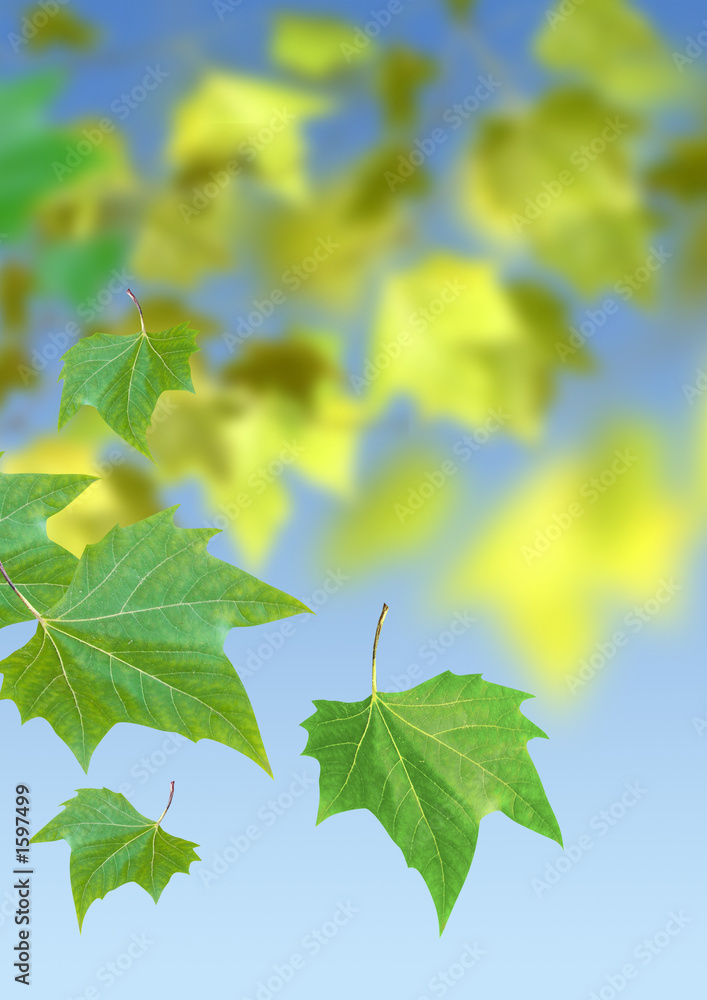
<point>429,763</point>
<point>40,570</point>
<point>138,637</point>
<point>113,844</point>
<point>123,377</point>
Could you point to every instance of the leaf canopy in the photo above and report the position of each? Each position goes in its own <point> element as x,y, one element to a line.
<point>113,844</point>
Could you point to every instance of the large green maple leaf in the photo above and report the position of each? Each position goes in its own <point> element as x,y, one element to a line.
<point>112,844</point>
<point>40,570</point>
<point>429,763</point>
<point>123,377</point>
<point>138,637</point>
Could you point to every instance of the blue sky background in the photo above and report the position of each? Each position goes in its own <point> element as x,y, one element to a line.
<point>634,725</point>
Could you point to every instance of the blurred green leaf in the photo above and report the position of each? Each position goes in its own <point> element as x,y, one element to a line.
<point>31,148</point>
<point>77,269</point>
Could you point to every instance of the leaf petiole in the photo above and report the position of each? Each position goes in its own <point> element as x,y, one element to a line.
<point>384,612</point>
<point>142,319</point>
<point>171,796</point>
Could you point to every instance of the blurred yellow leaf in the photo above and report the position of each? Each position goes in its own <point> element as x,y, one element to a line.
<point>403,73</point>
<point>293,366</point>
<point>461,8</point>
<point>279,410</point>
<point>463,347</point>
<point>398,510</point>
<point>308,45</point>
<point>612,44</point>
<point>183,244</point>
<point>682,175</point>
<point>684,172</point>
<point>15,285</point>
<point>124,492</point>
<point>243,124</point>
<point>330,247</point>
<point>560,176</point>
<point>60,26</point>
<point>89,202</point>
<point>694,394</point>
<point>574,549</point>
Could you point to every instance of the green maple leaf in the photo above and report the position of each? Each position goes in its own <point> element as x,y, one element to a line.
<point>123,377</point>
<point>40,570</point>
<point>430,763</point>
<point>138,637</point>
<point>113,844</point>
